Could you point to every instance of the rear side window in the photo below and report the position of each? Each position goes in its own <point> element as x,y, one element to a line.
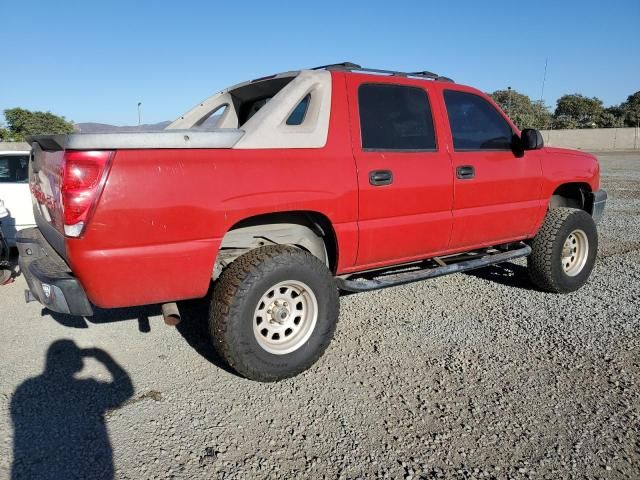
<point>213,119</point>
<point>14,168</point>
<point>475,123</point>
<point>395,117</point>
<point>298,114</point>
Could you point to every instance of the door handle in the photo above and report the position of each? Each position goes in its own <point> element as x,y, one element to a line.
<point>380,177</point>
<point>465,172</point>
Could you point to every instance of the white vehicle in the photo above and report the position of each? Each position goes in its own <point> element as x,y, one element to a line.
<point>14,191</point>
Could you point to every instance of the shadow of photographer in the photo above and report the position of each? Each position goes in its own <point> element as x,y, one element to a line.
<point>58,420</point>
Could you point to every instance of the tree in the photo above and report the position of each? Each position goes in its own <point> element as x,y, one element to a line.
<point>22,123</point>
<point>577,111</point>
<point>611,117</point>
<point>631,110</point>
<point>520,108</point>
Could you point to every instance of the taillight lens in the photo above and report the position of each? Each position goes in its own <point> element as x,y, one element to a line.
<point>83,177</point>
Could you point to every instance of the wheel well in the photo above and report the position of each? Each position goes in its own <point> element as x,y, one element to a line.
<point>572,195</point>
<point>316,232</point>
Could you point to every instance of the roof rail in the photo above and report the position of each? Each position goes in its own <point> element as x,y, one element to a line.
<point>354,67</point>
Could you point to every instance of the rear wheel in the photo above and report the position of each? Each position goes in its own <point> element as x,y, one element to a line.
<point>563,251</point>
<point>273,312</point>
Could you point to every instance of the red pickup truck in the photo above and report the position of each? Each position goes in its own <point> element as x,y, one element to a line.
<point>286,189</point>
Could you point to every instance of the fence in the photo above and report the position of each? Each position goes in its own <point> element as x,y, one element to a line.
<point>594,138</point>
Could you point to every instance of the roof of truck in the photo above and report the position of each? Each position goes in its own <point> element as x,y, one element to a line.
<point>355,68</point>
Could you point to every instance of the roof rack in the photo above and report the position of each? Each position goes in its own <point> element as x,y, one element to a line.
<point>354,67</point>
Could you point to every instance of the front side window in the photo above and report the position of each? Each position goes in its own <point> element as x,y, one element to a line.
<point>396,118</point>
<point>475,123</point>
<point>14,168</point>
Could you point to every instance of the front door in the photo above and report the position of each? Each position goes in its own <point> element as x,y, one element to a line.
<point>404,173</point>
<point>496,191</point>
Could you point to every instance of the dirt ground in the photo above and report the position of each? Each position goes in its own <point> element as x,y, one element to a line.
<point>468,376</point>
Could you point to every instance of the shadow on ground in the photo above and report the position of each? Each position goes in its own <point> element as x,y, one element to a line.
<point>58,420</point>
<point>508,274</point>
<point>193,327</point>
<point>9,268</point>
<point>141,314</point>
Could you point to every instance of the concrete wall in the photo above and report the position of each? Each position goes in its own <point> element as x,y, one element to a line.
<point>14,146</point>
<point>594,138</point>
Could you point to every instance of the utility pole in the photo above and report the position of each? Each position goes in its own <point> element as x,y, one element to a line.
<point>637,132</point>
<point>509,102</point>
<point>139,113</point>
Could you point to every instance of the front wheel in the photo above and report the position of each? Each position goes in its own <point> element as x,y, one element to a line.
<point>564,251</point>
<point>273,312</point>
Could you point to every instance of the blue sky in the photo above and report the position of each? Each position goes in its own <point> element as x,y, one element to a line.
<point>93,61</point>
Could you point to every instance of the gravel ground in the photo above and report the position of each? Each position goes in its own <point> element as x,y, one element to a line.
<point>467,376</point>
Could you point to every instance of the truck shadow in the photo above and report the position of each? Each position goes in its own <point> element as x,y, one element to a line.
<point>59,420</point>
<point>193,328</point>
<point>508,274</point>
<point>141,314</point>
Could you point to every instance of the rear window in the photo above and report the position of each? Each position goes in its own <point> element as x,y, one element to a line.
<point>395,118</point>
<point>14,168</point>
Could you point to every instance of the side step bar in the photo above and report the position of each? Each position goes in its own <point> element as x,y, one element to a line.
<point>360,283</point>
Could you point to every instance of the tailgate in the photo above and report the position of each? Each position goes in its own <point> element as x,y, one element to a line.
<point>45,180</point>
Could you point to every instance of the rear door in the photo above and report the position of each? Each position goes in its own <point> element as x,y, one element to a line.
<point>404,173</point>
<point>496,192</point>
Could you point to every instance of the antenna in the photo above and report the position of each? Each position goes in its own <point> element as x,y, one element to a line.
<point>544,79</point>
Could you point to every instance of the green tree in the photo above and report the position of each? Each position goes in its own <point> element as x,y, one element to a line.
<point>631,110</point>
<point>577,111</point>
<point>22,123</point>
<point>611,117</point>
<point>520,108</point>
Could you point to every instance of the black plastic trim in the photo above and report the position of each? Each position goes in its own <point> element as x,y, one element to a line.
<point>41,264</point>
<point>597,202</point>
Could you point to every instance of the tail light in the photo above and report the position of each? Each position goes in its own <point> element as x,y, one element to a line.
<point>83,177</point>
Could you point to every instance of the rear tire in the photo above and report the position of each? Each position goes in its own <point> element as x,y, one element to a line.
<point>273,313</point>
<point>564,251</point>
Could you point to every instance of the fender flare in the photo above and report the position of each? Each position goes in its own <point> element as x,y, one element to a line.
<point>241,240</point>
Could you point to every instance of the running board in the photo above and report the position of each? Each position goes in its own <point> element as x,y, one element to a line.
<point>360,283</point>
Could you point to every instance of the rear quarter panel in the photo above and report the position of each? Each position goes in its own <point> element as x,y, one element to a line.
<point>157,228</point>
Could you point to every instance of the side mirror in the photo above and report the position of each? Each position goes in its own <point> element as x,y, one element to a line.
<point>531,139</point>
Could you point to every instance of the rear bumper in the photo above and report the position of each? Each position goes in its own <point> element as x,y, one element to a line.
<point>597,202</point>
<point>49,278</point>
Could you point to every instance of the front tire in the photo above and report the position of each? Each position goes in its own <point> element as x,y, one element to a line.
<point>564,251</point>
<point>273,313</point>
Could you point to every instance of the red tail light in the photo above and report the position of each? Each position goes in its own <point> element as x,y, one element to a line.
<point>83,177</point>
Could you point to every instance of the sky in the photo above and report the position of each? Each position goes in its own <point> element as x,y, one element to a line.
<point>94,61</point>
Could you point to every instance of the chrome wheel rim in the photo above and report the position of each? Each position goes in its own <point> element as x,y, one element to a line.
<point>574,253</point>
<point>285,317</point>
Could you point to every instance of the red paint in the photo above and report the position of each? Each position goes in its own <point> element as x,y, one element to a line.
<point>161,217</point>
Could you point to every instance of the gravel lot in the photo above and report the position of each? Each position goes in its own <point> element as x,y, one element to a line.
<point>467,376</point>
